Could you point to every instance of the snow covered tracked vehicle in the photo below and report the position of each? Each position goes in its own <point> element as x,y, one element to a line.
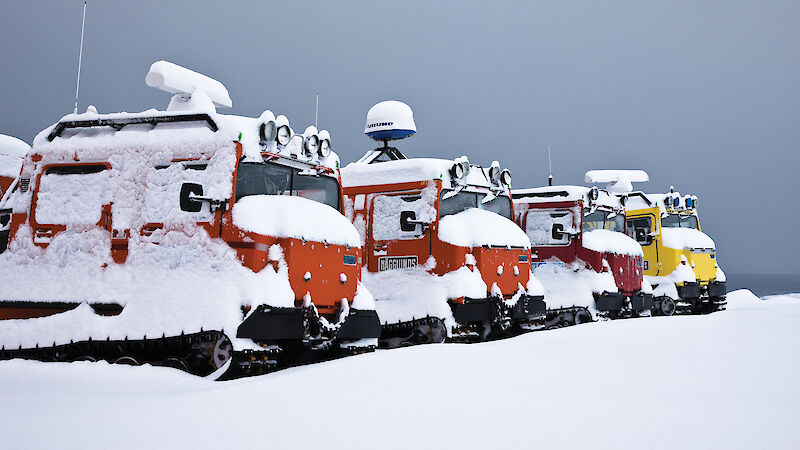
<point>185,238</point>
<point>680,261</point>
<point>587,264</point>
<point>443,257</point>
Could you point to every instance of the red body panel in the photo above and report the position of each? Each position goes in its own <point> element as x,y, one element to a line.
<point>627,269</point>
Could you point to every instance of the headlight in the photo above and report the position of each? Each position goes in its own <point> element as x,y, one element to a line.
<point>464,166</point>
<point>505,177</point>
<point>457,171</point>
<point>494,172</point>
<point>324,143</point>
<point>311,144</point>
<point>283,135</point>
<point>267,131</point>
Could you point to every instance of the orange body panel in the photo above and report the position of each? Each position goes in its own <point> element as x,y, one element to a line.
<point>448,257</point>
<point>325,263</point>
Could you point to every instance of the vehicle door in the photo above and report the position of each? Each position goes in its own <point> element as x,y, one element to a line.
<point>399,230</point>
<point>551,232</point>
<point>643,230</point>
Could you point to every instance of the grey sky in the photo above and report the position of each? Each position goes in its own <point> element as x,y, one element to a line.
<point>704,95</point>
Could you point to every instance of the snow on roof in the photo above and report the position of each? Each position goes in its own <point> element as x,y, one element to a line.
<point>564,193</point>
<point>175,79</point>
<point>12,151</point>
<point>619,181</point>
<point>174,140</point>
<point>686,203</point>
<point>409,170</point>
<point>196,95</point>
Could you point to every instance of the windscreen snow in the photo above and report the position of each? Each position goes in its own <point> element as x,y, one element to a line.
<point>273,179</point>
<point>463,200</point>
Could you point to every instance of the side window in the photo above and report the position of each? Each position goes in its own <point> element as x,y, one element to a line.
<point>72,195</point>
<point>162,193</point>
<point>548,227</point>
<point>641,229</point>
<point>404,216</point>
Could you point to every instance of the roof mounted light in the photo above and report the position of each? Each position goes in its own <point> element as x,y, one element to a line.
<point>676,201</point>
<point>310,141</point>
<point>594,194</point>
<point>324,144</point>
<point>283,133</point>
<point>457,171</point>
<point>688,201</point>
<point>694,201</point>
<point>494,172</point>
<point>267,130</point>
<point>505,178</point>
<point>622,200</point>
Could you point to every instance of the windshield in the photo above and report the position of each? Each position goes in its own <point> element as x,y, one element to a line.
<point>603,220</point>
<point>465,200</point>
<point>679,221</point>
<point>273,179</point>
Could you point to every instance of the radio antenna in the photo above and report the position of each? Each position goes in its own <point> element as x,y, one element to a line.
<point>316,111</point>
<point>550,166</point>
<point>80,57</point>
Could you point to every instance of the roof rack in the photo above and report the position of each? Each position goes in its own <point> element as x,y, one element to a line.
<point>118,124</point>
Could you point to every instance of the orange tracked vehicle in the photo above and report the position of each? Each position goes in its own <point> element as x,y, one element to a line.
<point>185,238</point>
<point>442,254</point>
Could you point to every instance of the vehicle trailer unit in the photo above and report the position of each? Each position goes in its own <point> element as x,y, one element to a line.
<point>442,256</point>
<point>589,267</point>
<point>680,261</point>
<point>211,243</point>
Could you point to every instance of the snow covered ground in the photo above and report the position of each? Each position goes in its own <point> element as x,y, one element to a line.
<point>727,380</point>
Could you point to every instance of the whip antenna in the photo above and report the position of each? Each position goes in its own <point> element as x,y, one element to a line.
<point>550,166</point>
<point>80,57</point>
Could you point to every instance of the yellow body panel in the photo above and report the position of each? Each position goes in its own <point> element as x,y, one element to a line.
<point>661,260</point>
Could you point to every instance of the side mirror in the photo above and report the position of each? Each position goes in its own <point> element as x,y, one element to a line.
<point>558,231</point>
<point>188,203</point>
<point>408,221</point>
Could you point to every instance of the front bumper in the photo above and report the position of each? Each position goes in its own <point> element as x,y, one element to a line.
<point>689,290</point>
<point>529,306</point>
<point>268,323</point>
<point>717,289</point>
<point>609,301</point>
<point>641,301</point>
<point>474,309</point>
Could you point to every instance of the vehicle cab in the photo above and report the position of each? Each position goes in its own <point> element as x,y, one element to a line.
<point>680,261</point>
<point>581,253</point>
<point>440,244</point>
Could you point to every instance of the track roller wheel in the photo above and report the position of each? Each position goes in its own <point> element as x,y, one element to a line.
<point>582,317</point>
<point>221,352</point>
<point>667,306</point>
<point>126,360</point>
<point>175,363</point>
